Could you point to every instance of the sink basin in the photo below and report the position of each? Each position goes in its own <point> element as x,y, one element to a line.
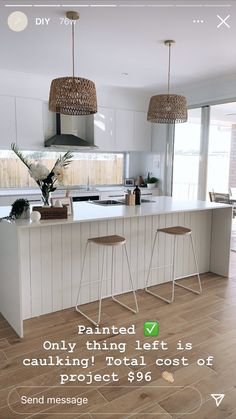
<point>147,200</point>
<point>114,202</point>
<point>107,202</point>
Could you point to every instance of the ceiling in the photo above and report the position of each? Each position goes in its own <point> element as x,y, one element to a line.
<point>115,37</point>
<point>225,112</point>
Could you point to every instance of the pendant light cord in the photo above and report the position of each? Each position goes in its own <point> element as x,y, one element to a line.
<point>73,47</point>
<point>169,68</point>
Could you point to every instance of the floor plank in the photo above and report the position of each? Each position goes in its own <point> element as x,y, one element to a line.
<point>207,321</point>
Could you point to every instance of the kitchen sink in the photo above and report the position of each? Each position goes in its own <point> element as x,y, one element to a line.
<point>114,202</point>
<point>107,202</point>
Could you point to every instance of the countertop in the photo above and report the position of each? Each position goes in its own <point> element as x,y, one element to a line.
<point>4,192</point>
<point>26,192</point>
<point>86,211</point>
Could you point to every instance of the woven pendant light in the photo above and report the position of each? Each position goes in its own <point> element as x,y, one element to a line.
<point>167,108</point>
<point>73,95</point>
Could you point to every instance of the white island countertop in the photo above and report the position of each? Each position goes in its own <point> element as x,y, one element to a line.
<point>41,262</point>
<point>88,211</point>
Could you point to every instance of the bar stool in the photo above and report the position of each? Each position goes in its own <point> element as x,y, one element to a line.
<point>176,232</point>
<point>105,241</point>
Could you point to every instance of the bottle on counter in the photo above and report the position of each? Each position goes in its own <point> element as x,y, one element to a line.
<point>137,194</point>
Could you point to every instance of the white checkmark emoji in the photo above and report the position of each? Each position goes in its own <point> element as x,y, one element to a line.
<point>150,330</point>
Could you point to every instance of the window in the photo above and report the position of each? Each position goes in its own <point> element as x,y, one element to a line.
<point>220,134</point>
<point>100,168</point>
<point>205,150</point>
<point>186,156</point>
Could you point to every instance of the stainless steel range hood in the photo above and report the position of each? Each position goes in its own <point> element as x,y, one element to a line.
<point>71,141</point>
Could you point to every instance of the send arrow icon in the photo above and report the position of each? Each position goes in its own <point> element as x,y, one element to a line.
<point>218,398</point>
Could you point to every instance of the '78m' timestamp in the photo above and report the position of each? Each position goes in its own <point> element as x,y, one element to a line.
<point>66,21</point>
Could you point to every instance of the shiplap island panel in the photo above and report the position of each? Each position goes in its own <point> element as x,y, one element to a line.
<point>41,262</point>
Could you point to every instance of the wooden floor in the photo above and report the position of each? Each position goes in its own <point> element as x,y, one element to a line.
<point>207,321</point>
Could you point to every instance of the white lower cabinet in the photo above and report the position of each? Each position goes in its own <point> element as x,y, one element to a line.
<point>119,194</point>
<point>8,200</point>
<point>112,195</point>
<point>116,194</point>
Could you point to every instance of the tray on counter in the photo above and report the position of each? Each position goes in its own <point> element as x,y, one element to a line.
<point>51,213</point>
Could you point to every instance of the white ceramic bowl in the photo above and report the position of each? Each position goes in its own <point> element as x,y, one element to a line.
<point>35,216</point>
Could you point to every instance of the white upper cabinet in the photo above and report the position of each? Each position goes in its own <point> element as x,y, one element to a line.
<point>124,130</point>
<point>7,122</point>
<point>49,122</point>
<point>142,132</point>
<point>104,129</point>
<point>29,123</point>
<point>133,132</point>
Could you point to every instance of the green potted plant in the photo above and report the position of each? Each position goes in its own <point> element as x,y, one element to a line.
<point>19,209</point>
<point>151,181</point>
<point>46,179</point>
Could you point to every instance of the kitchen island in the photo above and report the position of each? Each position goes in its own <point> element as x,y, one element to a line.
<point>41,262</point>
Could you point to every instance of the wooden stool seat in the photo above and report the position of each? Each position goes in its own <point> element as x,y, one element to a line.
<point>113,240</point>
<point>177,230</point>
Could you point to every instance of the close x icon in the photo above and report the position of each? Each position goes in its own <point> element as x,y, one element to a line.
<point>224,22</point>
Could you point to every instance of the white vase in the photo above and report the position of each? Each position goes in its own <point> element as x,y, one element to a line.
<point>151,185</point>
<point>46,198</point>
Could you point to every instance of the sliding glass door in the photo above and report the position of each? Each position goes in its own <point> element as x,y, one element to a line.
<point>186,156</point>
<point>205,152</point>
<point>222,128</point>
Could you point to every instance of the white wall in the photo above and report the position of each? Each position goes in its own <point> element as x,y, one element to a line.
<point>211,90</point>
<point>37,86</point>
<point>24,85</point>
<point>155,162</point>
<point>159,162</point>
<point>142,163</point>
<point>124,98</point>
<point>14,83</point>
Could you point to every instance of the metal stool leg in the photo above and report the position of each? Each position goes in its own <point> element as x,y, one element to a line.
<point>173,271</point>
<point>150,264</point>
<point>112,271</point>
<point>96,323</point>
<point>197,271</point>
<point>169,301</point>
<point>82,274</point>
<point>132,284</point>
<point>100,285</point>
